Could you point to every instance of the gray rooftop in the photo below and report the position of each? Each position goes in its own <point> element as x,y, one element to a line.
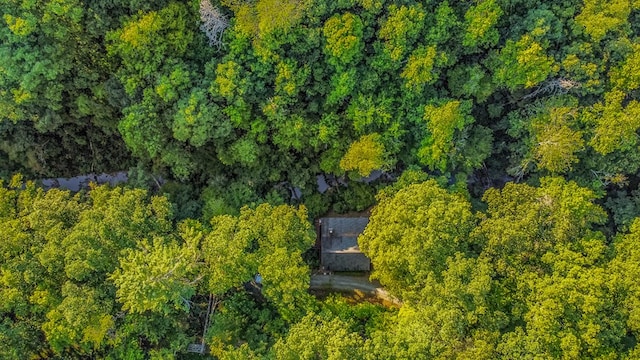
<point>341,234</point>
<point>339,243</point>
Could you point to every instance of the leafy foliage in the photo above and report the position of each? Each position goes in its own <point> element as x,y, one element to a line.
<point>522,63</point>
<point>364,155</point>
<point>510,121</point>
<point>408,242</point>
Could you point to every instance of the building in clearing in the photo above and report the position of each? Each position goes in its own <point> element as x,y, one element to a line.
<point>339,250</point>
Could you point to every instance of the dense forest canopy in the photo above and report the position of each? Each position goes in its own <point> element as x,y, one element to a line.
<point>495,141</point>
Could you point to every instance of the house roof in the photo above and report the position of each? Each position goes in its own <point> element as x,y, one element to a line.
<point>340,235</point>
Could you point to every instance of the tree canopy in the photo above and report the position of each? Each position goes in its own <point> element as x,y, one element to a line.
<point>493,145</point>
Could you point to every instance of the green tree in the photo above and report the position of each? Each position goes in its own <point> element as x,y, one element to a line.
<point>55,90</point>
<point>158,276</point>
<point>572,312</point>
<point>314,337</point>
<point>557,143</point>
<point>419,70</point>
<point>199,121</point>
<point>523,223</point>
<point>452,318</point>
<point>268,241</point>
<point>160,55</point>
<point>58,250</point>
<point>480,22</point>
<point>443,122</point>
<point>344,39</point>
<point>401,29</point>
<point>522,63</point>
<point>364,155</point>
<point>83,318</point>
<point>625,76</point>
<point>261,18</point>
<point>615,124</point>
<point>623,269</point>
<point>413,232</point>
<point>550,132</point>
<point>599,17</point>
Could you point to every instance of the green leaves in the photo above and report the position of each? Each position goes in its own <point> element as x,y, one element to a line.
<point>344,39</point>
<point>228,252</point>
<point>557,142</point>
<point>156,276</point>
<point>443,122</point>
<point>626,76</point>
<point>57,251</point>
<point>314,337</point>
<point>268,241</point>
<point>625,270</point>
<point>453,317</point>
<point>419,69</point>
<point>82,318</point>
<point>198,120</point>
<point>364,155</point>
<point>401,29</point>
<point>599,17</point>
<point>615,125</point>
<point>338,89</point>
<point>570,313</point>
<point>522,63</point>
<point>411,235</point>
<point>481,23</point>
<point>554,140</point>
<point>522,222</point>
<point>265,17</point>
<point>53,78</point>
<point>531,277</point>
<point>146,41</point>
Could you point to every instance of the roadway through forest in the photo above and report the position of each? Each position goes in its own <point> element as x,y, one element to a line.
<point>351,283</point>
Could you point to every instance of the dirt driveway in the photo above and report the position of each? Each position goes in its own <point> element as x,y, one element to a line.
<point>351,283</point>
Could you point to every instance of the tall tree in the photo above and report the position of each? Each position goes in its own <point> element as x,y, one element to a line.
<point>412,233</point>
<point>444,121</point>
<point>364,155</point>
<point>268,241</point>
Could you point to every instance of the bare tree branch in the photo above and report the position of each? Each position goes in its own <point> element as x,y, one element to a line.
<point>213,23</point>
<point>553,87</point>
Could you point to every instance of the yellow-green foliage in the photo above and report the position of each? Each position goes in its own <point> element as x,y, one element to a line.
<point>556,143</point>
<point>627,76</point>
<point>317,338</point>
<point>364,155</point>
<point>228,79</point>
<point>413,232</point>
<point>615,125</point>
<point>278,15</point>
<point>480,21</point>
<point>261,18</point>
<point>18,25</point>
<point>143,31</point>
<point>523,63</point>
<point>401,29</point>
<point>344,38</point>
<point>146,41</point>
<point>601,16</point>
<point>581,69</point>
<point>419,68</point>
<point>442,123</point>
